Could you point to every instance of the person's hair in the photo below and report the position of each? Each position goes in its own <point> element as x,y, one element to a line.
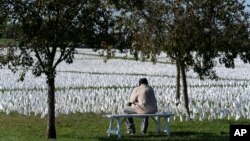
<point>143,81</point>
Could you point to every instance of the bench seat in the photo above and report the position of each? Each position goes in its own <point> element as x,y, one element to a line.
<point>120,118</point>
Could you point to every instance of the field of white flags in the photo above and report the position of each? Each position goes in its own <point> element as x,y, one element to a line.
<point>92,85</point>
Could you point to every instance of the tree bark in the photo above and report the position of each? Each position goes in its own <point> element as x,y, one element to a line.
<point>51,129</point>
<point>185,90</point>
<point>178,84</point>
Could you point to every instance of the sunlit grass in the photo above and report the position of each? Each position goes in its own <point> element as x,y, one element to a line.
<point>81,127</point>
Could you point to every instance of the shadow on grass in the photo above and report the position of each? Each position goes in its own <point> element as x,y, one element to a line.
<point>175,136</point>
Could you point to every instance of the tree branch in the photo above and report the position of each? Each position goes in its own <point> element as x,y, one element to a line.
<point>39,59</point>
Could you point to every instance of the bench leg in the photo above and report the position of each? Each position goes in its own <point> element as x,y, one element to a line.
<point>158,124</point>
<point>109,131</point>
<point>164,128</point>
<point>167,123</point>
<point>117,130</point>
<point>157,121</point>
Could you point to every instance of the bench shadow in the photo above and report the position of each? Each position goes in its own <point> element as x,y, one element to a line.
<point>175,136</point>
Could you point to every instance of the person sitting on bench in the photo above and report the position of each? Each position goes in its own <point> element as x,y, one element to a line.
<point>141,101</point>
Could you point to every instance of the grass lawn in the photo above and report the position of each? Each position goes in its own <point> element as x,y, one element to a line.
<point>82,127</point>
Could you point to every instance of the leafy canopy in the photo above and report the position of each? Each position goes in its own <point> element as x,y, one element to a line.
<point>48,31</point>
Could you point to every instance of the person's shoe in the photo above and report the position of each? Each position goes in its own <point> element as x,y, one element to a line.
<point>143,133</point>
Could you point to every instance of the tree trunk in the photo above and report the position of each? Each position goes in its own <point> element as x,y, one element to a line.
<point>178,84</point>
<point>51,129</point>
<point>185,90</point>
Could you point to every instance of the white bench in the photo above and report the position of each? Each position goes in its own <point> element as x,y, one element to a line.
<point>120,118</point>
